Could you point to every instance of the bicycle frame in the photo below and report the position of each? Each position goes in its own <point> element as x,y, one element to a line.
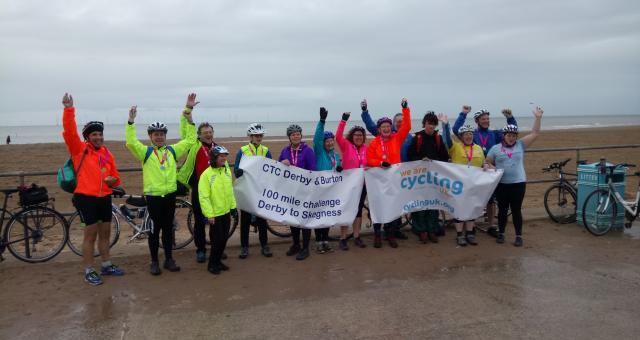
<point>628,205</point>
<point>139,229</point>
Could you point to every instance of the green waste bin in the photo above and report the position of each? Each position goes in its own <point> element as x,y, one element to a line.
<point>589,180</point>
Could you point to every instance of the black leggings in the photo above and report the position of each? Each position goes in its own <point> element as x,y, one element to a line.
<point>198,221</point>
<point>218,234</point>
<point>306,236</point>
<point>510,196</point>
<point>245,222</point>
<point>322,234</point>
<point>389,228</point>
<point>161,211</point>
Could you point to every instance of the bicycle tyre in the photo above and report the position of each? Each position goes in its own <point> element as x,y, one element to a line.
<point>34,225</point>
<point>279,230</point>
<point>181,238</point>
<point>556,197</point>
<point>76,233</point>
<point>605,215</point>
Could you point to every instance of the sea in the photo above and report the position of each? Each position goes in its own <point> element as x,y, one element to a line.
<point>53,133</point>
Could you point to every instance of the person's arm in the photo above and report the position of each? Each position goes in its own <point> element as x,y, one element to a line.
<point>446,131</point>
<point>269,154</point>
<point>238,159</point>
<point>311,160</point>
<point>183,146</point>
<point>535,132</point>
<point>137,149</point>
<point>232,197</point>
<point>343,143</point>
<point>374,159</point>
<point>405,127</point>
<point>366,118</point>
<point>318,136</point>
<point>461,119</point>
<point>204,196</point>
<point>70,128</point>
<point>114,172</point>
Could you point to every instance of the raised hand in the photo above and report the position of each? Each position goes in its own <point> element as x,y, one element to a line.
<point>346,115</point>
<point>466,109</point>
<point>286,162</point>
<point>507,113</point>
<point>323,114</point>
<point>110,180</point>
<point>443,118</point>
<point>67,100</point>
<point>404,103</point>
<point>538,111</point>
<point>133,111</point>
<point>363,105</point>
<point>191,101</point>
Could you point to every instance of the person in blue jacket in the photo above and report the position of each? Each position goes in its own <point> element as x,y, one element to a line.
<point>372,127</point>
<point>486,138</point>
<point>326,159</point>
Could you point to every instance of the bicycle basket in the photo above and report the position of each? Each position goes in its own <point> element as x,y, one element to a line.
<point>33,195</point>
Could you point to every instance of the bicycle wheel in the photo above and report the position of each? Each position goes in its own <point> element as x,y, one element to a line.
<point>76,233</point>
<point>560,203</point>
<point>182,224</point>
<point>599,212</point>
<point>278,229</point>
<point>36,234</point>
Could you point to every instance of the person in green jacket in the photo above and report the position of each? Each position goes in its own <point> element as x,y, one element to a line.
<point>159,181</point>
<point>218,204</point>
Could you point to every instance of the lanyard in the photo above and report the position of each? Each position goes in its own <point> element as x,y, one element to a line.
<point>484,140</point>
<point>205,149</point>
<point>509,154</point>
<point>254,150</point>
<point>333,160</point>
<point>384,149</point>
<point>103,158</point>
<point>294,156</point>
<point>470,154</point>
<point>164,158</point>
<point>360,165</point>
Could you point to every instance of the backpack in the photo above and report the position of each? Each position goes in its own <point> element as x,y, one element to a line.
<point>150,151</point>
<point>67,175</point>
<point>419,141</point>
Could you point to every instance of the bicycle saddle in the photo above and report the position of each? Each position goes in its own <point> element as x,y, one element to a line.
<point>117,192</point>
<point>136,201</point>
<point>9,191</point>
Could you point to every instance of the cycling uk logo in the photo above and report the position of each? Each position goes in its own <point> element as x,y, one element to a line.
<point>421,177</point>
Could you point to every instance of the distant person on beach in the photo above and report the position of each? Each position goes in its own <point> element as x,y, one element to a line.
<point>354,155</point>
<point>298,154</point>
<point>159,179</point>
<point>326,159</point>
<point>8,139</point>
<point>189,174</point>
<point>384,151</point>
<point>218,203</point>
<point>486,138</point>
<point>509,156</point>
<point>96,174</point>
<point>427,144</point>
<point>463,151</point>
<point>256,132</point>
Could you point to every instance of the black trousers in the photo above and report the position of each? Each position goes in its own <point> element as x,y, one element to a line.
<point>218,234</point>
<point>322,234</point>
<point>306,236</point>
<point>246,220</point>
<point>162,212</point>
<point>198,224</point>
<point>390,227</point>
<point>510,196</point>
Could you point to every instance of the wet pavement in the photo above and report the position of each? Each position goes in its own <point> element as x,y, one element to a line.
<point>563,284</point>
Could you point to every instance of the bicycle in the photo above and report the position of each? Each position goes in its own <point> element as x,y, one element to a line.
<point>131,215</point>
<point>604,204</point>
<point>35,233</point>
<point>560,199</point>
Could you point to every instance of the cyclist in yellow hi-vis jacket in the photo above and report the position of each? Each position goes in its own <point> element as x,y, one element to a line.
<point>159,180</point>
<point>218,204</point>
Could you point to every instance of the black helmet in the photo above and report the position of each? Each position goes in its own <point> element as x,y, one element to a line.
<point>90,127</point>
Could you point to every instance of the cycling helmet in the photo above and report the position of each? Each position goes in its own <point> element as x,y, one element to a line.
<point>465,128</point>
<point>157,126</point>
<point>479,114</point>
<point>217,150</point>
<point>383,120</point>
<point>328,135</point>
<point>255,129</point>
<point>90,127</point>
<point>510,129</point>
<point>293,128</point>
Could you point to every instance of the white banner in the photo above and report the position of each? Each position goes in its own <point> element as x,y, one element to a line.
<point>298,197</point>
<point>460,190</point>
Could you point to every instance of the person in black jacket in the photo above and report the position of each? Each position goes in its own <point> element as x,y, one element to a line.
<point>427,144</point>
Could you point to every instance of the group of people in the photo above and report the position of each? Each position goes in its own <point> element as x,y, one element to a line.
<point>206,172</point>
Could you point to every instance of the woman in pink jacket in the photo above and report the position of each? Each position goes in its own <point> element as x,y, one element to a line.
<point>354,155</point>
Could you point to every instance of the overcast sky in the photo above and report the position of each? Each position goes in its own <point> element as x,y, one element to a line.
<point>281,60</point>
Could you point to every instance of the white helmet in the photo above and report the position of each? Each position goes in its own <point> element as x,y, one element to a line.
<point>465,128</point>
<point>255,129</point>
<point>510,129</point>
<point>480,114</point>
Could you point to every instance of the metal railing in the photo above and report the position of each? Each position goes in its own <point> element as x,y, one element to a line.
<point>23,174</point>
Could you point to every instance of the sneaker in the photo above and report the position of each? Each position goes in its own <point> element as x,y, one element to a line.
<point>392,242</point>
<point>244,252</point>
<point>423,237</point>
<point>154,268</point>
<point>170,265</point>
<point>518,242</point>
<point>327,247</point>
<point>500,238</point>
<point>359,243</point>
<point>471,239</point>
<point>400,235</point>
<point>433,237</point>
<point>343,245</point>
<point>214,269</point>
<point>266,251</point>
<point>320,248</point>
<point>493,231</point>
<point>462,242</point>
<point>201,256</point>
<point>223,266</point>
<point>92,278</point>
<point>112,270</point>
<point>303,254</point>
<point>377,241</point>
<point>293,250</point>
